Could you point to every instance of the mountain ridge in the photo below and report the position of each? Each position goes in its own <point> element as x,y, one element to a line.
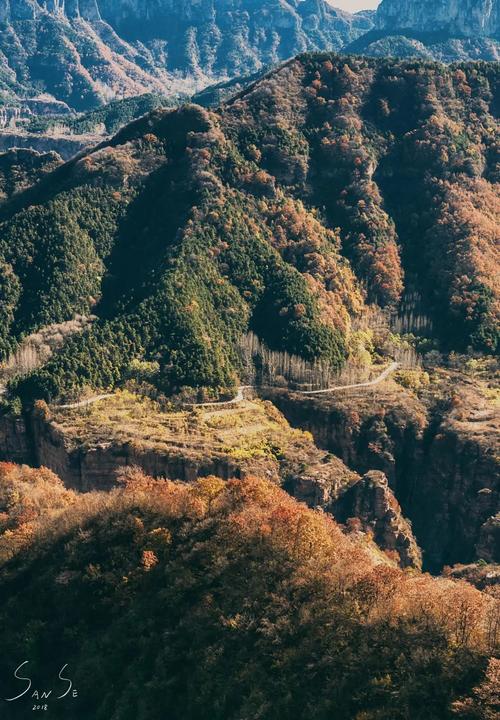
<point>321,188</point>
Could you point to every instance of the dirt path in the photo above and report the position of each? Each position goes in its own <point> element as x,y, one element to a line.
<point>239,397</point>
<point>370,383</point>
<point>84,403</point>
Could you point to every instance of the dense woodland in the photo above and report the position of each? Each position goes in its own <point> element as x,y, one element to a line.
<point>20,168</point>
<point>315,192</point>
<point>227,600</point>
<point>109,118</point>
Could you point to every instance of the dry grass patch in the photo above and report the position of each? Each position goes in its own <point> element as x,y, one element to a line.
<point>252,429</point>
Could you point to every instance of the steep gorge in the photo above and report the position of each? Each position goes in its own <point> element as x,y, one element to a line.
<point>432,465</point>
<point>443,466</point>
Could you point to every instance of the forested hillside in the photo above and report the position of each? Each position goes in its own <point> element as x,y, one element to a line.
<point>226,601</point>
<point>323,187</point>
<point>20,169</point>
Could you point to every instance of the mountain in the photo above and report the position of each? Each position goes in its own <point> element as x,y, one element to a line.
<point>87,52</point>
<point>466,18</point>
<point>330,184</point>
<point>69,133</point>
<point>445,30</point>
<point>188,514</point>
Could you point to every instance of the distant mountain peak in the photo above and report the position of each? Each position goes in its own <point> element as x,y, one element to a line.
<point>467,18</point>
<point>444,30</point>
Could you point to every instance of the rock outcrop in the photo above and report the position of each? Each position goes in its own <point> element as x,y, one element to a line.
<point>469,18</point>
<point>482,575</point>
<point>444,30</point>
<point>442,464</point>
<point>371,503</point>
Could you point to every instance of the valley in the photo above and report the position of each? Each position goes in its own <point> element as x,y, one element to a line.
<point>249,378</point>
<point>287,222</point>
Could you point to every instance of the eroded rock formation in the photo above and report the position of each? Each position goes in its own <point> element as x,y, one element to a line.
<point>469,18</point>
<point>442,463</point>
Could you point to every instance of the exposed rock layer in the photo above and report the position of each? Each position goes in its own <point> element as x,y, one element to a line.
<point>470,18</point>
<point>444,472</point>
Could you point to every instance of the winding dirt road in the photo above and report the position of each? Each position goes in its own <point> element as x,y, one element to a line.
<point>84,403</point>
<point>370,383</point>
<point>239,397</point>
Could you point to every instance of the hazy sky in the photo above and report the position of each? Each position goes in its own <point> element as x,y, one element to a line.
<point>354,5</point>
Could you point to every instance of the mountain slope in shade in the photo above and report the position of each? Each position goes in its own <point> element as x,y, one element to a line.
<point>448,31</point>
<point>227,599</point>
<point>87,52</point>
<point>192,226</point>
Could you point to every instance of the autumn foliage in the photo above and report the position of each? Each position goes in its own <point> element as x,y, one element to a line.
<point>232,600</point>
<point>329,184</point>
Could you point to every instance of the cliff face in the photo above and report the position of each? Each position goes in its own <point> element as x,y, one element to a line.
<point>14,441</point>
<point>227,36</point>
<point>372,503</point>
<point>308,473</point>
<point>444,30</point>
<point>443,469</point>
<point>469,18</point>
<point>86,469</point>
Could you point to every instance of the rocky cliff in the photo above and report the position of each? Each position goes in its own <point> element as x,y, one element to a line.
<point>224,38</point>
<point>444,30</point>
<point>15,445</point>
<point>470,18</point>
<point>442,463</point>
<point>371,503</point>
<point>266,446</point>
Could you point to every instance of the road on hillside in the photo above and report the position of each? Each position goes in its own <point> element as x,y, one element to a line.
<point>370,383</point>
<point>239,397</point>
